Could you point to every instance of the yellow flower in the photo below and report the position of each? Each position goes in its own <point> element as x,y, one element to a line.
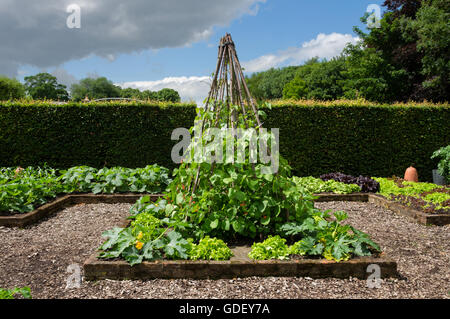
<point>317,218</point>
<point>139,245</point>
<point>140,235</point>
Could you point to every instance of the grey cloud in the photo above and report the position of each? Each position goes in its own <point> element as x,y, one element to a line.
<point>35,32</point>
<point>64,77</point>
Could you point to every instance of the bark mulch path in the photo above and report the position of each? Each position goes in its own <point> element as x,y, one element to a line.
<point>38,256</point>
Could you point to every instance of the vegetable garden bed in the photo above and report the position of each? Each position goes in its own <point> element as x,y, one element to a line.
<point>437,219</point>
<point>239,266</point>
<point>413,214</point>
<point>425,197</point>
<point>46,210</point>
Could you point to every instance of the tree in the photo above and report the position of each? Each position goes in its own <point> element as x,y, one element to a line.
<point>370,76</point>
<point>149,95</point>
<point>319,80</point>
<point>95,89</point>
<point>269,85</point>
<point>11,89</point>
<point>325,81</point>
<point>296,89</point>
<point>414,38</point>
<point>433,30</point>
<point>45,86</point>
<point>131,93</point>
<point>168,95</point>
<point>407,8</point>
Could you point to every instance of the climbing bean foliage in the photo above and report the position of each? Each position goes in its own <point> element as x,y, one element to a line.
<point>230,202</point>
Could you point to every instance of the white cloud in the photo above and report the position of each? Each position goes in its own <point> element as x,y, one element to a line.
<point>323,46</point>
<point>35,32</point>
<point>194,88</point>
<point>197,88</point>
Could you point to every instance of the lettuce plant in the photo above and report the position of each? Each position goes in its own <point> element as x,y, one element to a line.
<point>210,249</point>
<point>25,292</point>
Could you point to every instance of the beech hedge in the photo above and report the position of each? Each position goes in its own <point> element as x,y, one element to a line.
<point>369,140</point>
<point>316,138</point>
<point>95,134</point>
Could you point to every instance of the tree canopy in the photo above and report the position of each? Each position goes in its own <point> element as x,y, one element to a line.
<point>406,58</point>
<point>95,89</point>
<point>270,84</point>
<point>45,86</point>
<point>103,88</point>
<point>11,89</point>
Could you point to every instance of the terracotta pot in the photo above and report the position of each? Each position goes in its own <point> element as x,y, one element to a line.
<point>411,175</point>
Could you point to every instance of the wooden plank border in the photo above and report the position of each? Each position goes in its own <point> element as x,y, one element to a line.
<point>46,210</point>
<point>97,269</point>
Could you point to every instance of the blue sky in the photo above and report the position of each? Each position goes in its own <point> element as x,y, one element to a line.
<point>278,25</point>
<point>271,33</point>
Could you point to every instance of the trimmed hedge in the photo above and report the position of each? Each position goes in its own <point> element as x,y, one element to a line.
<point>369,140</point>
<point>102,134</point>
<point>316,138</point>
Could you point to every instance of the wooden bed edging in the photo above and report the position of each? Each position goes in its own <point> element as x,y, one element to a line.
<point>411,213</point>
<point>332,197</point>
<point>22,220</point>
<point>237,267</point>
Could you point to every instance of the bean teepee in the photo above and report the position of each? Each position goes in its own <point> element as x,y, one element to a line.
<point>229,98</point>
<point>229,88</point>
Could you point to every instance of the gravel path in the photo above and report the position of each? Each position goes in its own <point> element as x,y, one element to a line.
<point>39,256</point>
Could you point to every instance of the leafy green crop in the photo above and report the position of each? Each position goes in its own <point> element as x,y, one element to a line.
<point>316,185</point>
<point>22,190</point>
<point>146,227</point>
<point>437,198</point>
<point>424,195</point>
<point>389,186</point>
<point>10,174</point>
<point>150,179</point>
<point>331,239</point>
<point>134,248</point>
<point>210,249</point>
<point>9,293</point>
<point>23,195</point>
<point>274,247</point>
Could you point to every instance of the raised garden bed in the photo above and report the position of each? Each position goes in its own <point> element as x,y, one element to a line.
<point>426,197</point>
<point>23,190</point>
<point>331,197</point>
<point>22,220</point>
<point>377,199</point>
<point>413,214</point>
<point>239,266</point>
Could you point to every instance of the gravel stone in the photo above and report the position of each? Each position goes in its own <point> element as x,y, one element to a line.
<point>39,256</point>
